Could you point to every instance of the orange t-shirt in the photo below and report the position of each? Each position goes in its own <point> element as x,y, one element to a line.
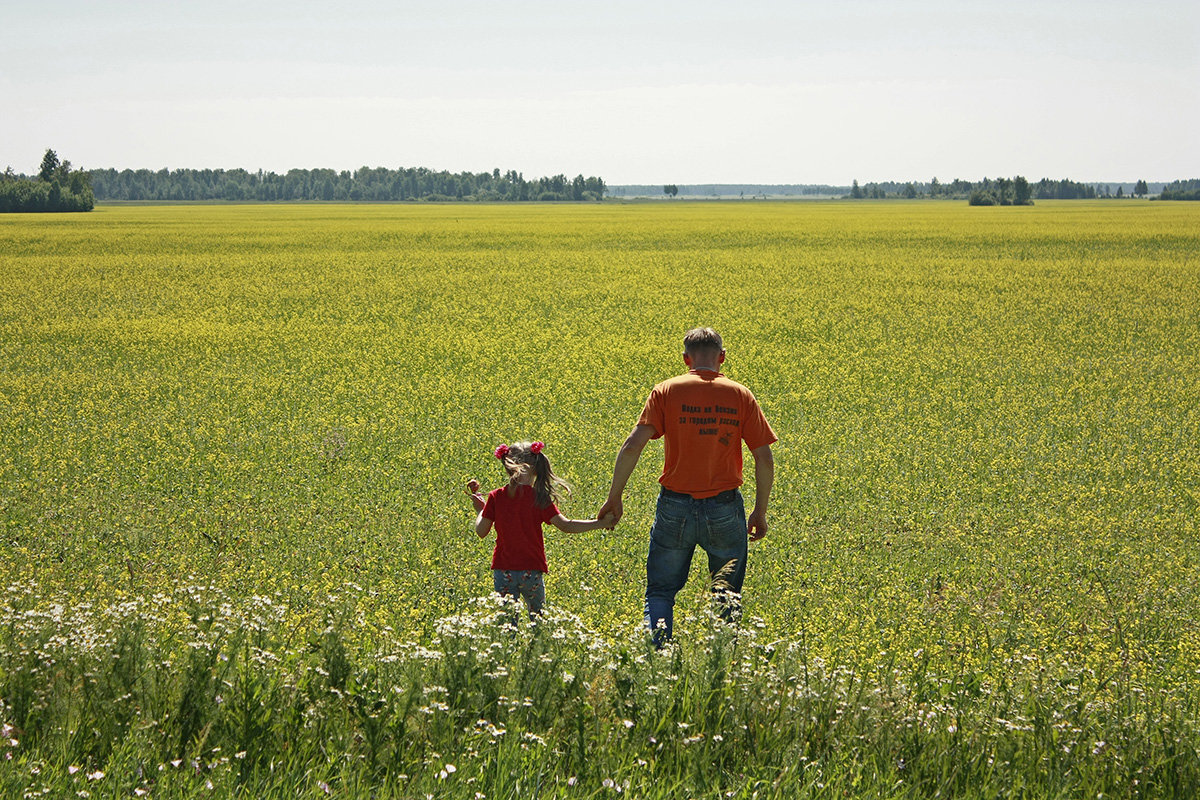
<point>704,417</point>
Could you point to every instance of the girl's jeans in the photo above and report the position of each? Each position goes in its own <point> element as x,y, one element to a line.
<point>718,526</point>
<point>528,584</point>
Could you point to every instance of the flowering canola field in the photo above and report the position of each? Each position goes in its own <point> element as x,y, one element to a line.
<point>989,419</point>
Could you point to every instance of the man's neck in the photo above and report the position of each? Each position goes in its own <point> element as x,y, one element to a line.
<point>702,368</point>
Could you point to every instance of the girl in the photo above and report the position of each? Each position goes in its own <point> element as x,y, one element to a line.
<point>518,510</point>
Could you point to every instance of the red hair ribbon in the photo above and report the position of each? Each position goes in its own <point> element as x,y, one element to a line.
<point>536,447</point>
<point>502,452</point>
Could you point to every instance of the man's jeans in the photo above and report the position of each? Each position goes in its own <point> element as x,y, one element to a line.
<point>716,524</point>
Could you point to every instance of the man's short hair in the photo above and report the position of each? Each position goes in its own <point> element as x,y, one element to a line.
<point>698,339</point>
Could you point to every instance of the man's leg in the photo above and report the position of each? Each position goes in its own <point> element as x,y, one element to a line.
<point>672,542</point>
<point>724,540</point>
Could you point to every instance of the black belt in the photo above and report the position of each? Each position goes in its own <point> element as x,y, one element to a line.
<point>727,496</point>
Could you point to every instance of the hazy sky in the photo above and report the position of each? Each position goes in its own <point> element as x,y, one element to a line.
<point>635,92</point>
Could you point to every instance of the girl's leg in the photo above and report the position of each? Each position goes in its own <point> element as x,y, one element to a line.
<point>508,586</point>
<point>533,590</point>
<point>503,581</point>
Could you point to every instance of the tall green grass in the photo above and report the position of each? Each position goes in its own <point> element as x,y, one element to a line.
<point>195,692</point>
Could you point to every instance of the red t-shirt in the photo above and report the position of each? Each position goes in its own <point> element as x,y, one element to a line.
<point>518,522</point>
<point>704,418</point>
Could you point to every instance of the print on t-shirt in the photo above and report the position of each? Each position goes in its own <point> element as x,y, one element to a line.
<point>709,420</point>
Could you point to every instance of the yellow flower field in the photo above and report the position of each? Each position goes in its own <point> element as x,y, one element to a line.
<point>988,418</point>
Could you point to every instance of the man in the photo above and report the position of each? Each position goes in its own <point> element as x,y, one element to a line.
<point>703,418</point>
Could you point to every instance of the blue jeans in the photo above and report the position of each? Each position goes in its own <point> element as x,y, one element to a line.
<point>718,526</point>
<point>527,584</point>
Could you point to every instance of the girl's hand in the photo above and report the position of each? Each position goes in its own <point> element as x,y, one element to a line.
<point>477,499</point>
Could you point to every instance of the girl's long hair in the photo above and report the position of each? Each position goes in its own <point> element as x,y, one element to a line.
<point>547,487</point>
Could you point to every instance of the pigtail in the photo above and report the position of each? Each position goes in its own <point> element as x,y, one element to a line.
<point>547,487</point>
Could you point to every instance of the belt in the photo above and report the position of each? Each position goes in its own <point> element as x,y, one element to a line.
<point>727,496</point>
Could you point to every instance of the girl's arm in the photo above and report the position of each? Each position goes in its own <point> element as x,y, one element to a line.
<point>582,525</point>
<point>483,525</point>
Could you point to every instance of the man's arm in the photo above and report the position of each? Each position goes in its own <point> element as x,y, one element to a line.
<point>627,459</point>
<point>764,476</point>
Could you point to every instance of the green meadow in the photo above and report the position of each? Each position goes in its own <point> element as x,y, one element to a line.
<point>239,558</point>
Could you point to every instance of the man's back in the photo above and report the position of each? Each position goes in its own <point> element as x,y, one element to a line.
<point>704,417</point>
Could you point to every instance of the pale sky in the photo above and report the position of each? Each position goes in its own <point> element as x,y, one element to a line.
<point>635,92</point>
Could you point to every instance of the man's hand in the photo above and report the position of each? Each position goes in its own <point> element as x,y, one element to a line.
<point>756,525</point>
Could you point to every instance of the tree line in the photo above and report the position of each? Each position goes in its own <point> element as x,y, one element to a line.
<point>726,190</point>
<point>999,191</point>
<point>1018,190</point>
<point>378,184</point>
<point>56,187</point>
<point>1181,190</point>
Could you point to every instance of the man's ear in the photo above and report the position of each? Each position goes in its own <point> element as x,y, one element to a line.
<point>687,359</point>
<point>721,360</point>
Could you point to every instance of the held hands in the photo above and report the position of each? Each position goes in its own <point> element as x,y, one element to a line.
<point>607,521</point>
<point>611,508</point>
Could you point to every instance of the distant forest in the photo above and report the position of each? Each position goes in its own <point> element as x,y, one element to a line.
<point>56,187</point>
<point>378,184</point>
<point>1181,190</point>
<point>726,190</point>
<point>999,190</point>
